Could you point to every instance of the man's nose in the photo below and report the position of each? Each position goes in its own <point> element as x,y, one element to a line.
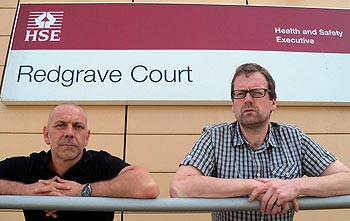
<point>69,131</point>
<point>248,97</point>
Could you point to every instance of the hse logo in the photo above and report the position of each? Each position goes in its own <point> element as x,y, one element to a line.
<point>44,26</point>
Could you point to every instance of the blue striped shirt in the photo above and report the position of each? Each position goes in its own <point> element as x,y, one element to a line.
<point>287,153</point>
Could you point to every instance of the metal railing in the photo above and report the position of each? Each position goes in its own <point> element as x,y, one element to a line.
<point>157,205</point>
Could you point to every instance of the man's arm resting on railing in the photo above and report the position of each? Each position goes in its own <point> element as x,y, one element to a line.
<point>8,187</point>
<point>190,182</point>
<point>132,181</point>
<point>335,180</point>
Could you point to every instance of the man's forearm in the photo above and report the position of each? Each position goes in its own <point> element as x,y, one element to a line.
<point>211,187</point>
<point>325,186</point>
<point>14,188</point>
<point>133,182</point>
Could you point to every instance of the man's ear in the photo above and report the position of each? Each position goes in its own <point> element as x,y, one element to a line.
<point>273,104</point>
<point>233,110</point>
<point>46,135</point>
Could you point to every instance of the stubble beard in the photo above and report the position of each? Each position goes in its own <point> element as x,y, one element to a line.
<point>252,120</point>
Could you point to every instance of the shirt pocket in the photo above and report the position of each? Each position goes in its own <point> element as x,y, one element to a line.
<point>286,172</point>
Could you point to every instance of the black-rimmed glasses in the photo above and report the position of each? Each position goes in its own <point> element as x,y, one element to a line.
<point>256,93</point>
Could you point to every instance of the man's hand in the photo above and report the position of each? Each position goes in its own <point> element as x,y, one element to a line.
<point>57,187</point>
<point>50,187</point>
<point>275,195</point>
<point>51,213</point>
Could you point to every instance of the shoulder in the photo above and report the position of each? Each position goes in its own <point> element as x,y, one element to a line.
<point>223,126</point>
<point>101,156</point>
<point>23,168</point>
<point>33,158</point>
<point>38,155</point>
<point>286,132</point>
<point>218,131</point>
<point>285,127</point>
<point>95,153</point>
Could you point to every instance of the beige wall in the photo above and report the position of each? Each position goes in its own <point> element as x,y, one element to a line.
<point>158,137</point>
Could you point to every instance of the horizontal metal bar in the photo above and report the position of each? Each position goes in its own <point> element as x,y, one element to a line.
<point>157,205</point>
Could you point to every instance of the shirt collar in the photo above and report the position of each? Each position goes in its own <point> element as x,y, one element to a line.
<point>271,137</point>
<point>240,140</point>
<point>48,161</point>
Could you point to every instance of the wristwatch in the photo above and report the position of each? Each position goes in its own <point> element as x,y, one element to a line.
<point>86,191</point>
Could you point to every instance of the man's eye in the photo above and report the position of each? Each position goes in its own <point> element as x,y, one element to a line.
<point>258,93</point>
<point>79,126</point>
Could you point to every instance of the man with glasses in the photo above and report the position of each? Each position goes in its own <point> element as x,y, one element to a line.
<point>266,161</point>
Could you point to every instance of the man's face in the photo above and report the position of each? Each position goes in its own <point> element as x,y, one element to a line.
<point>252,112</point>
<point>67,133</point>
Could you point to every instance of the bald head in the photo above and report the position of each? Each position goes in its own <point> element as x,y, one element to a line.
<point>70,108</point>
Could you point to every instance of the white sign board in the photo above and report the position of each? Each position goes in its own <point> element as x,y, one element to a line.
<point>116,53</point>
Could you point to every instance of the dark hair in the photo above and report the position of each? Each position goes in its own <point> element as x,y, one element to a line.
<point>249,68</point>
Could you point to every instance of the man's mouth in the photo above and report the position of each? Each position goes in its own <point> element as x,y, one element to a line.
<point>68,144</point>
<point>248,110</point>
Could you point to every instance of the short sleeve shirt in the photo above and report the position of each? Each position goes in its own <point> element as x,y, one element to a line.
<point>287,153</point>
<point>94,166</point>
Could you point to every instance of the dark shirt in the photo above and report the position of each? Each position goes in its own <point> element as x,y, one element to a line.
<point>94,166</point>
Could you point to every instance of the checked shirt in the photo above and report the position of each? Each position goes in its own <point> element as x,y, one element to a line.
<point>287,153</point>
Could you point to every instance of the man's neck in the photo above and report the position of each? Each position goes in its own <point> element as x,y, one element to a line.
<point>255,136</point>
